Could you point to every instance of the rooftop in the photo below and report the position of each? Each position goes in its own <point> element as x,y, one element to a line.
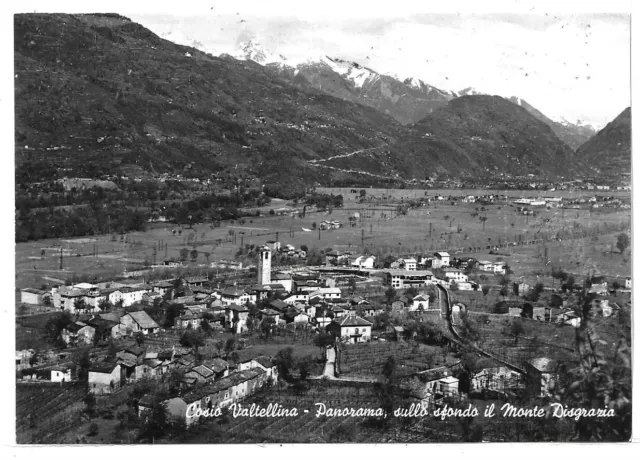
<point>143,319</point>
<point>398,272</point>
<point>544,364</point>
<point>222,384</point>
<point>353,320</point>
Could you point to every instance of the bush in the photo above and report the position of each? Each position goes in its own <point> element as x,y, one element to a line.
<point>93,429</point>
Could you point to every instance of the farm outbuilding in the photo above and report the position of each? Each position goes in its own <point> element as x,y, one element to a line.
<point>32,296</point>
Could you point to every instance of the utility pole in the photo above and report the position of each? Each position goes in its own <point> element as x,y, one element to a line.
<point>60,257</point>
<point>362,237</point>
<point>430,226</point>
<point>318,233</point>
<point>277,237</point>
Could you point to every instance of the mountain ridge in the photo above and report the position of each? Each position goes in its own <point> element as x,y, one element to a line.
<point>407,104</point>
<point>99,95</point>
<point>609,151</point>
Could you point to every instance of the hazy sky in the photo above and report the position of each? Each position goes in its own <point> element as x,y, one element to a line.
<point>565,59</point>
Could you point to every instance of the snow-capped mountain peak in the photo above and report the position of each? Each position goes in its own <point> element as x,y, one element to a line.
<point>254,51</point>
<point>352,71</point>
<point>414,82</point>
<point>470,91</point>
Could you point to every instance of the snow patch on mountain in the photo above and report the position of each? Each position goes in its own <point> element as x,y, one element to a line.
<point>254,51</point>
<point>352,71</point>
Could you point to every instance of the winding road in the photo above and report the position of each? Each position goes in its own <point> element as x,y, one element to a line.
<point>445,302</point>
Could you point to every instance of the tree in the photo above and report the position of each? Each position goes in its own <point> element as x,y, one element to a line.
<point>250,323</point>
<point>602,380</point>
<point>194,255</point>
<point>81,305</point>
<point>516,329</point>
<point>104,305</point>
<point>352,285</point>
<point>453,286</point>
<point>89,403</point>
<point>323,340</point>
<point>304,366</point>
<point>559,274</point>
<point>184,254</point>
<point>139,337</point>
<point>622,242</point>
<point>467,328</point>
<point>390,294</point>
<point>534,295</point>
<point>411,291</point>
<point>175,379</point>
<point>173,311</point>
<point>266,325</point>
<point>55,325</point>
<point>389,369</point>
<point>230,345</point>
<point>193,339</point>
<point>568,285</point>
<point>157,422</point>
<point>284,361</point>
<point>363,194</point>
<point>93,429</point>
<point>485,290</point>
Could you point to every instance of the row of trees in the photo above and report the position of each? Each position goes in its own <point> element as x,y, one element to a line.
<point>79,221</point>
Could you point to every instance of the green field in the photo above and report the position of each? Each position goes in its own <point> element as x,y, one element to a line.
<point>382,232</point>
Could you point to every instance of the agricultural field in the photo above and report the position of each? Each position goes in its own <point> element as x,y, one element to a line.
<point>538,339</point>
<point>45,411</point>
<point>440,226</point>
<point>305,427</point>
<point>367,360</point>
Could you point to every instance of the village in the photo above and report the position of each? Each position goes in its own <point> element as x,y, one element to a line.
<point>187,346</point>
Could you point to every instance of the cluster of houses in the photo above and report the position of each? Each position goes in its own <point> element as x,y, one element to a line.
<point>286,249</point>
<point>301,299</point>
<point>330,225</point>
<point>559,309</point>
<point>433,387</point>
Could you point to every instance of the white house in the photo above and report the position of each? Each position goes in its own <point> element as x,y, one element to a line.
<point>326,293</point>
<point>627,283</point>
<point>456,275</point>
<point>364,262</point>
<point>131,295</point>
<point>104,377</point>
<point>296,298</point>
<point>485,266</point>
<point>410,264</point>
<point>498,268</point>
<point>32,296</point>
<point>235,296</point>
<point>441,259</point>
<point>497,379</point>
<point>60,374</point>
<point>139,321</point>
<point>420,302</point>
<point>350,328</point>
<point>400,279</point>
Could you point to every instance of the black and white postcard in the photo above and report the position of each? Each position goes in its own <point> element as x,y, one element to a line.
<point>344,222</point>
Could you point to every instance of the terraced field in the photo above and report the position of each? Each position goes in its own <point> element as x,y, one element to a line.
<point>367,360</point>
<point>47,410</point>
